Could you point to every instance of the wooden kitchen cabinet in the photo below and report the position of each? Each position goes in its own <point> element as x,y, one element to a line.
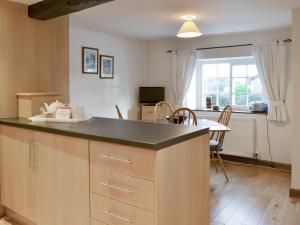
<point>63,180</point>
<point>131,185</point>
<point>18,181</point>
<point>45,177</point>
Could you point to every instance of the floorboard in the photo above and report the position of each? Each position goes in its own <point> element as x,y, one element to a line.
<point>254,196</point>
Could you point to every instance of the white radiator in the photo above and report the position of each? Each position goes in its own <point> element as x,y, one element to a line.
<point>241,140</point>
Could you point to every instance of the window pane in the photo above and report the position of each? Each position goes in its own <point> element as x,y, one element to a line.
<point>224,70</point>
<point>239,71</point>
<point>239,99</point>
<point>239,85</point>
<point>254,97</point>
<point>224,99</point>
<point>224,85</point>
<point>254,85</point>
<point>211,85</point>
<point>210,70</point>
<point>230,81</point>
<point>252,70</point>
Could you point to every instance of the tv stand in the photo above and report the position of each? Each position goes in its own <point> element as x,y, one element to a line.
<point>148,112</point>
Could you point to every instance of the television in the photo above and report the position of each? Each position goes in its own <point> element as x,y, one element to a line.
<point>151,95</point>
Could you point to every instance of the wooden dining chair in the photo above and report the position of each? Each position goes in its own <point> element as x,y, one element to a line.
<point>184,116</point>
<point>119,113</point>
<point>217,139</point>
<point>162,110</point>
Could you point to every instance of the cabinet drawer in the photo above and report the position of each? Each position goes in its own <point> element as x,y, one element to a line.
<point>148,109</point>
<point>130,190</point>
<point>148,113</point>
<point>112,212</point>
<point>148,118</point>
<point>136,162</point>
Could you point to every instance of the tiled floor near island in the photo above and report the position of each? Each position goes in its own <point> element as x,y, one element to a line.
<point>254,196</point>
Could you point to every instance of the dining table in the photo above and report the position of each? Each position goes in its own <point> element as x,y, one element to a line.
<point>213,126</point>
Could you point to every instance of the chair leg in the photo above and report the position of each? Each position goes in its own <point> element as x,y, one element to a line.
<point>222,166</point>
<point>214,160</point>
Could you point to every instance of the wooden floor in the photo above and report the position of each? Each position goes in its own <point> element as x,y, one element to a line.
<point>254,195</point>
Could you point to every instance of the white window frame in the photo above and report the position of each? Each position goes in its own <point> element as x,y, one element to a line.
<point>233,62</point>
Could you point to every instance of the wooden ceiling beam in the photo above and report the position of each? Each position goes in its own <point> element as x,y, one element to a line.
<point>49,9</point>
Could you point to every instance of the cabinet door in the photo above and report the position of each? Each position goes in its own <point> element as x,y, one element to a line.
<point>18,181</point>
<point>63,180</point>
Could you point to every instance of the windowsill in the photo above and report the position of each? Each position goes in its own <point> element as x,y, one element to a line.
<point>234,111</point>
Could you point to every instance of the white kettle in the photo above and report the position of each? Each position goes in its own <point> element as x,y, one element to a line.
<point>53,106</point>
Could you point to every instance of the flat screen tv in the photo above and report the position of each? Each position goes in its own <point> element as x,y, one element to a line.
<point>151,95</point>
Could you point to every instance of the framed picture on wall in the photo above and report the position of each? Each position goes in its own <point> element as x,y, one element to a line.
<point>90,60</point>
<point>107,67</point>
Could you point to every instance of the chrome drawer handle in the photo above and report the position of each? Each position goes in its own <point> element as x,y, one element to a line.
<point>127,190</point>
<point>36,156</point>
<point>116,159</point>
<point>30,154</point>
<point>110,213</point>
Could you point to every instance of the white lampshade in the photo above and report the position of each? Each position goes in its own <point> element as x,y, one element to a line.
<point>189,30</point>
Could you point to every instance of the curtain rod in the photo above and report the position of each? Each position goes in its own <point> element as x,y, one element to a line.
<point>227,46</point>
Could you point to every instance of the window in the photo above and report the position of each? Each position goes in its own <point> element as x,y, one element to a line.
<point>232,81</point>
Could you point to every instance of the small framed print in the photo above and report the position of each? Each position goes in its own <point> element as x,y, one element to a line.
<point>107,67</point>
<point>63,113</point>
<point>90,60</point>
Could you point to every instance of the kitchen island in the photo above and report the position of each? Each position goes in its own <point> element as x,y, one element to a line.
<point>104,172</point>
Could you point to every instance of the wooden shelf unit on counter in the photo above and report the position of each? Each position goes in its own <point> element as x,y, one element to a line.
<point>53,179</point>
<point>30,103</point>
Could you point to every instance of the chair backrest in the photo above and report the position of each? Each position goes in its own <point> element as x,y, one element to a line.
<point>162,110</point>
<point>183,116</point>
<point>225,115</point>
<point>223,119</point>
<point>119,112</point>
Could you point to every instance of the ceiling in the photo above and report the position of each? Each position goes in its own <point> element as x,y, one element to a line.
<point>153,19</point>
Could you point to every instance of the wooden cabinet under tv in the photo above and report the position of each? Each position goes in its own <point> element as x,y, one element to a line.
<point>148,113</point>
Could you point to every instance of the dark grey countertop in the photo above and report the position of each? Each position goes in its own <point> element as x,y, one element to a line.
<point>148,135</point>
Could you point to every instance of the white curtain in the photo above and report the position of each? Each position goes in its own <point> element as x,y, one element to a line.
<point>183,67</point>
<point>271,60</point>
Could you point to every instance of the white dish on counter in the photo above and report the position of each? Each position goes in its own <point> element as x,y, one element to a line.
<point>41,118</point>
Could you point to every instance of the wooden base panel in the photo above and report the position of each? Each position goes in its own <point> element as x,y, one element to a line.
<point>2,211</point>
<point>258,162</point>
<point>16,219</point>
<point>294,193</point>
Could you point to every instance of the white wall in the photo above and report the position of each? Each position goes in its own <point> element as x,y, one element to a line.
<point>160,74</point>
<point>296,96</point>
<point>99,96</point>
<point>147,63</point>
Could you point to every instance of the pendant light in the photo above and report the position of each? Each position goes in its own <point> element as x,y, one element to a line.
<point>189,29</point>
